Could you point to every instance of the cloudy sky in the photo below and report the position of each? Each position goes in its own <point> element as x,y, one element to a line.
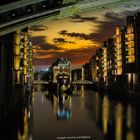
<point>79,36</point>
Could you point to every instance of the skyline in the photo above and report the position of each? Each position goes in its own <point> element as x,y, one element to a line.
<point>79,36</point>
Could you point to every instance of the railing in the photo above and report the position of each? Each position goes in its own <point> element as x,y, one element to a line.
<point>36,82</point>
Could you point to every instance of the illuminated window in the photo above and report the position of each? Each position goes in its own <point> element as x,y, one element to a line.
<point>119,63</point>
<point>131,51</point>
<point>131,59</point>
<point>118,39</point>
<point>119,57</point>
<point>119,71</point>
<point>119,51</point>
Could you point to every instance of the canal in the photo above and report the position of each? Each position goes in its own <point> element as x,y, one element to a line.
<point>86,115</point>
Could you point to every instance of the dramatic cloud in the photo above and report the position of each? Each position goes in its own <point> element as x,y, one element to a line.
<point>106,31</point>
<point>37,28</point>
<point>78,18</point>
<point>43,45</point>
<point>62,40</point>
<point>74,55</point>
<point>113,15</point>
<point>76,35</point>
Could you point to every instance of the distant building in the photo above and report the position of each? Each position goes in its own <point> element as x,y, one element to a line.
<point>61,70</point>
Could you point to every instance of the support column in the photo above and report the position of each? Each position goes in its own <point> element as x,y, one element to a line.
<point>83,73</point>
<point>6,73</point>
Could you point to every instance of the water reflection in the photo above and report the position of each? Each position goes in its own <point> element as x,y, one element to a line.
<point>118,121</point>
<point>105,114</point>
<point>84,113</point>
<point>130,132</point>
<point>117,118</point>
<point>16,125</point>
<point>61,105</point>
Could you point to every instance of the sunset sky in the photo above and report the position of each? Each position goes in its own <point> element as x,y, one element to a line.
<point>78,36</point>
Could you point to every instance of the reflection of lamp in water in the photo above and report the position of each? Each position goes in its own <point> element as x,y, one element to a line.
<point>130,133</point>
<point>105,114</point>
<point>75,89</point>
<point>118,121</point>
<point>82,90</point>
<point>129,116</point>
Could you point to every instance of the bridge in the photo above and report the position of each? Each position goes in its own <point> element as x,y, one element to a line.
<point>82,82</point>
<point>39,82</point>
<point>19,14</point>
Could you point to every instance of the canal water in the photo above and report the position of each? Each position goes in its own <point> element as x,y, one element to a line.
<point>86,115</point>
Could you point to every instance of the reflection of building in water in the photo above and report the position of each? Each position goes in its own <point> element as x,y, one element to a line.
<point>61,69</point>
<point>118,122</point>
<point>25,133</point>
<point>17,125</point>
<point>61,106</point>
<point>105,114</point>
<point>82,90</point>
<point>64,109</point>
<point>129,123</point>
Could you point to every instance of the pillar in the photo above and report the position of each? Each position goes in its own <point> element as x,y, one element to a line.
<point>83,73</point>
<point>6,72</point>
